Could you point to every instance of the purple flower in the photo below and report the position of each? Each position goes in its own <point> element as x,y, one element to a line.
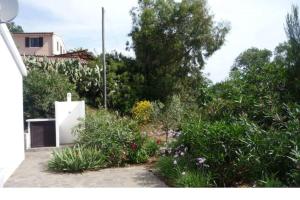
<point>200,160</point>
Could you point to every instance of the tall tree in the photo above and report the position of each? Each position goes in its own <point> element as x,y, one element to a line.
<point>171,41</point>
<point>14,28</point>
<point>252,58</point>
<point>293,51</point>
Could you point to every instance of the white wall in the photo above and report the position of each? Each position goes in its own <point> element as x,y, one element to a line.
<point>67,116</point>
<point>56,39</point>
<point>11,114</point>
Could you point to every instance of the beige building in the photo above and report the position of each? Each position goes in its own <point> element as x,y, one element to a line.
<point>39,44</point>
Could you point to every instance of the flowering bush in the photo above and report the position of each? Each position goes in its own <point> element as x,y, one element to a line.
<point>234,153</point>
<point>117,138</point>
<point>142,111</point>
<point>179,172</point>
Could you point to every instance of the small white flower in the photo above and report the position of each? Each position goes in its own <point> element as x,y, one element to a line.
<point>182,154</point>
<point>175,162</point>
<point>183,173</point>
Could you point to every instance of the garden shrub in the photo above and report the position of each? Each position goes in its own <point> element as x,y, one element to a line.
<point>194,179</point>
<point>166,168</point>
<point>172,115</point>
<point>142,111</point>
<point>270,182</point>
<point>157,111</point>
<point>238,152</point>
<point>151,145</point>
<point>41,90</point>
<point>180,172</point>
<point>118,138</point>
<point>77,159</point>
<point>138,156</point>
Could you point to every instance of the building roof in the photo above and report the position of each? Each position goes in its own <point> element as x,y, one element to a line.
<point>81,54</point>
<point>34,33</point>
<point>4,32</point>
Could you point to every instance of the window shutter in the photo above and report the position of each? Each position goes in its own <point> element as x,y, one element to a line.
<point>26,42</point>
<point>41,42</point>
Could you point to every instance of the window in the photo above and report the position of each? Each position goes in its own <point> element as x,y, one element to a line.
<point>34,42</point>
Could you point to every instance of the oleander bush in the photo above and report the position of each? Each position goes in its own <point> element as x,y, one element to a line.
<point>237,153</point>
<point>118,138</point>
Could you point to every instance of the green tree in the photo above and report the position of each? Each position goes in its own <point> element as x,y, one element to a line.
<point>293,52</point>
<point>14,28</point>
<point>171,41</point>
<point>251,59</point>
<point>41,90</point>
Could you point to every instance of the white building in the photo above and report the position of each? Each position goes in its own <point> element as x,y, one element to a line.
<point>12,70</point>
<point>39,44</point>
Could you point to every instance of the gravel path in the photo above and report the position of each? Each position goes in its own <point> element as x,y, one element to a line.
<point>33,173</point>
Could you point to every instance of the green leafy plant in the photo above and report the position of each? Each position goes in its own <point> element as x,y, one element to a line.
<point>76,159</point>
<point>270,182</point>
<point>151,146</point>
<point>194,179</point>
<point>172,115</point>
<point>165,166</point>
<point>118,138</point>
<point>41,90</point>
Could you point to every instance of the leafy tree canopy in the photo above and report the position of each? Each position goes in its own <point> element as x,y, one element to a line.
<point>292,51</point>
<point>14,28</point>
<point>171,39</point>
<point>252,58</point>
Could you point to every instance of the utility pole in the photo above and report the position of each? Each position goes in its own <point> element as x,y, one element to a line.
<point>104,63</point>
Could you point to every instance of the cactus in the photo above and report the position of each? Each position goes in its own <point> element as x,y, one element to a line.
<point>86,79</point>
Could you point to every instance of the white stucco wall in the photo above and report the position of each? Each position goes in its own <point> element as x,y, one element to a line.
<point>58,45</point>
<point>11,114</point>
<point>67,116</point>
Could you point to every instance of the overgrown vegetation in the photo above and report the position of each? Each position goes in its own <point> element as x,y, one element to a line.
<point>116,139</point>
<point>41,90</point>
<point>247,134</point>
<point>241,132</point>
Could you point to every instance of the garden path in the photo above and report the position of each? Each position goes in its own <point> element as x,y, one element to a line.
<point>33,173</point>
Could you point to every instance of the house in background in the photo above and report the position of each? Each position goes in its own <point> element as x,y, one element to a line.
<point>47,45</point>
<point>39,44</point>
<point>12,70</point>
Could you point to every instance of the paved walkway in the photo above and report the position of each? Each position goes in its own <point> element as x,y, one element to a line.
<point>33,173</point>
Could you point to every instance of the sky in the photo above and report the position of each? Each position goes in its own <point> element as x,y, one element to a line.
<point>254,23</point>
